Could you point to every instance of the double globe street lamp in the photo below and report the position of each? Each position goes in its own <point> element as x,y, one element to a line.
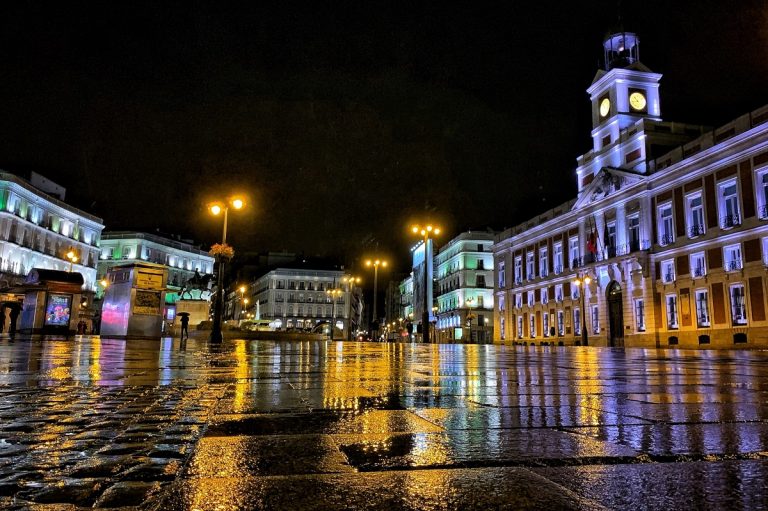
<point>216,208</point>
<point>425,232</point>
<point>375,265</point>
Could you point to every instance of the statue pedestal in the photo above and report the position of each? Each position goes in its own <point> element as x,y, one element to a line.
<point>198,310</point>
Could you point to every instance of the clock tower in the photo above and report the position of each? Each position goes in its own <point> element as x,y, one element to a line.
<point>623,92</point>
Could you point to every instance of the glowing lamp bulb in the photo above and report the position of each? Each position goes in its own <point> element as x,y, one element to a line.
<point>238,203</point>
<point>215,209</point>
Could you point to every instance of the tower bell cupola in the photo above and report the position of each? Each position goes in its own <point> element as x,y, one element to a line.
<point>621,50</point>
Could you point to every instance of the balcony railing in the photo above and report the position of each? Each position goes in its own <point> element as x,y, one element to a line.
<point>698,272</point>
<point>696,230</point>
<point>763,212</point>
<point>703,320</point>
<point>669,277</point>
<point>558,269</point>
<point>733,264</point>
<point>666,239</point>
<point>729,221</point>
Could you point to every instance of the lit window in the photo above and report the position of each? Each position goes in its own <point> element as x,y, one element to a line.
<point>573,252</point>
<point>544,296</point>
<point>695,216</point>
<point>558,258</point>
<point>519,327</point>
<point>502,274</point>
<point>702,308</point>
<point>738,305</point>
<point>518,270</point>
<point>633,232</point>
<point>668,271</point>
<point>698,265</point>
<point>729,205</point>
<point>595,320</point>
<point>672,311</point>
<point>762,194</point>
<point>666,229</point>
<point>543,263</point>
<point>576,321</point>
<point>560,323</point>
<point>530,266</point>
<point>640,315</point>
<point>732,257</point>
<point>532,320</point>
<point>545,325</point>
<point>531,298</point>
<point>559,293</point>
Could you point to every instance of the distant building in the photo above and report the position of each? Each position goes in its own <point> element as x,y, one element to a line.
<point>465,288</point>
<point>669,230</point>
<point>298,298</point>
<point>37,230</point>
<point>182,259</point>
<point>462,299</point>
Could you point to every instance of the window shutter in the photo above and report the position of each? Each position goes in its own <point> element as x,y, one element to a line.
<point>711,201</point>
<point>718,303</point>
<point>756,299</point>
<point>747,193</point>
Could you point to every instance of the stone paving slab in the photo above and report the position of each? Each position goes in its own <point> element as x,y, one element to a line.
<point>738,438</point>
<point>523,417</point>
<point>478,448</point>
<point>464,489</point>
<point>237,456</point>
<point>731,485</point>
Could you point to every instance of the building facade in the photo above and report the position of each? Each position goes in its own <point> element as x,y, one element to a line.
<point>307,299</point>
<point>38,230</point>
<point>183,259</point>
<point>462,293</point>
<point>666,243</point>
<point>464,271</point>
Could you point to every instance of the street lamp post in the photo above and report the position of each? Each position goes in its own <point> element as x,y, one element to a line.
<point>350,281</point>
<point>333,293</point>
<point>216,208</point>
<point>425,233</point>
<point>375,263</point>
<point>582,282</point>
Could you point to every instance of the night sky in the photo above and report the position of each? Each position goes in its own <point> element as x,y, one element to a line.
<point>342,121</point>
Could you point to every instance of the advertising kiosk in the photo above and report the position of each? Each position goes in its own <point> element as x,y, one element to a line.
<point>51,302</point>
<point>134,300</point>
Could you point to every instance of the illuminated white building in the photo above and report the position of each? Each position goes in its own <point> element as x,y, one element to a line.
<point>38,229</point>
<point>670,225</point>
<point>460,288</point>
<point>182,258</point>
<point>465,288</point>
<point>297,298</point>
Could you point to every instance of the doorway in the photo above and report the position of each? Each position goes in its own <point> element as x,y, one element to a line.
<point>615,315</point>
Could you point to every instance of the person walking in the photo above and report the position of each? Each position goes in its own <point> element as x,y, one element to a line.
<point>184,326</point>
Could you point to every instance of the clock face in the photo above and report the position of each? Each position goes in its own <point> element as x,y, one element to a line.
<point>637,101</point>
<point>605,107</point>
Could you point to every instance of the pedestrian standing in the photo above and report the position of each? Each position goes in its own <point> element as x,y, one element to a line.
<point>184,326</point>
<point>2,318</point>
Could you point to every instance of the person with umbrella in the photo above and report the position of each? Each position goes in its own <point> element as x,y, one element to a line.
<point>184,324</point>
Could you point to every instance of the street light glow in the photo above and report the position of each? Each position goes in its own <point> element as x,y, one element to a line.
<point>238,203</point>
<point>215,209</point>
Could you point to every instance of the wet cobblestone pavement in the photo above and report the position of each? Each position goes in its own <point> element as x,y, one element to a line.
<point>320,425</point>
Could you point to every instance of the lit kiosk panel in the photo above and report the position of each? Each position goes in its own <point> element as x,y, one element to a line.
<point>134,299</point>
